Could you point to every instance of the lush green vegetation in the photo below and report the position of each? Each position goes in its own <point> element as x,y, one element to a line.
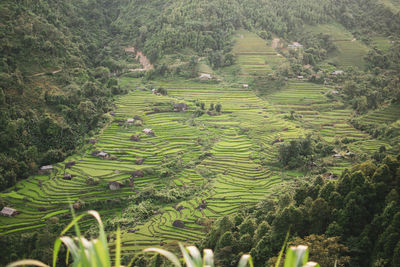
<point>355,216</point>
<point>269,113</point>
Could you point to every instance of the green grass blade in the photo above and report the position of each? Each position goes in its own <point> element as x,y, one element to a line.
<point>67,257</point>
<point>244,260</point>
<point>208,257</point>
<point>195,255</point>
<point>56,249</point>
<point>311,264</point>
<point>171,257</point>
<point>186,256</point>
<point>70,244</point>
<point>27,263</point>
<point>278,261</point>
<point>118,248</point>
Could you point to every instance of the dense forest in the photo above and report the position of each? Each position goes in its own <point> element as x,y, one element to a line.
<point>61,67</point>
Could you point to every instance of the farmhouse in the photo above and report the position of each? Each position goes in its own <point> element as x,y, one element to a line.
<point>300,77</point>
<point>103,155</point>
<point>295,45</point>
<point>67,176</point>
<point>46,169</point>
<point>135,137</point>
<point>337,72</point>
<point>114,185</point>
<point>178,223</point>
<point>137,174</point>
<point>92,141</point>
<point>245,86</point>
<point>180,107</point>
<point>149,131</point>
<point>9,212</point>
<point>205,76</point>
<point>337,156</point>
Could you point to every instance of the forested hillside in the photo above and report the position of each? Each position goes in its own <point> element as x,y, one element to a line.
<point>225,123</point>
<point>53,90</point>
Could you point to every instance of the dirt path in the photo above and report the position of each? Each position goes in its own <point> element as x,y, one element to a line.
<point>43,73</point>
<point>143,60</point>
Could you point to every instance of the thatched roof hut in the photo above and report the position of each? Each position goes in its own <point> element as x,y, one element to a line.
<point>178,223</point>
<point>114,185</point>
<point>180,107</point>
<point>9,212</point>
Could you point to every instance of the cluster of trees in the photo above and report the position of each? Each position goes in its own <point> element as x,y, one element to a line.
<point>303,152</point>
<point>45,115</point>
<point>354,219</point>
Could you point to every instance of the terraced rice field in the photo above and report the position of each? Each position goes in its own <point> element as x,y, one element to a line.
<point>235,141</point>
<point>350,51</point>
<point>254,55</point>
<point>387,114</point>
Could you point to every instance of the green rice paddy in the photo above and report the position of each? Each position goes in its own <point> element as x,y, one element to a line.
<point>235,141</point>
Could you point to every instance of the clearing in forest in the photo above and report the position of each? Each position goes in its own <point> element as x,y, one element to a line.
<point>350,52</point>
<point>255,57</point>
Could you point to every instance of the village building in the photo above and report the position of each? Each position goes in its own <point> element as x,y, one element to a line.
<point>137,174</point>
<point>300,77</point>
<point>103,155</point>
<point>337,72</point>
<point>114,185</point>
<point>130,120</point>
<point>295,45</point>
<point>149,131</point>
<point>245,85</point>
<point>337,156</point>
<point>46,169</point>
<point>180,107</point>
<point>135,137</point>
<point>205,76</point>
<point>9,212</point>
<point>334,92</point>
<point>67,176</point>
<point>92,141</point>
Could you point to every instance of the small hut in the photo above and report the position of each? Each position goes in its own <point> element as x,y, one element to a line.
<point>135,137</point>
<point>103,155</point>
<point>149,131</point>
<point>77,205</point>
<point>205,77</point>
<point>137,174</point>
<point>67,176</point>
<point>9,212</point>
<point>114,185</point>
<point>130,120</point>
<point>92,141</point>
<point>68,165</point>
<point>337,72</point>
<point>46,169</point>
<point>245,85</point>
<point>178,223</point>
<point>180,107</point>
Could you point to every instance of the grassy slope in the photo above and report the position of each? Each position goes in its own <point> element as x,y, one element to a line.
<point>350,51</point>
<point>237,140</point>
